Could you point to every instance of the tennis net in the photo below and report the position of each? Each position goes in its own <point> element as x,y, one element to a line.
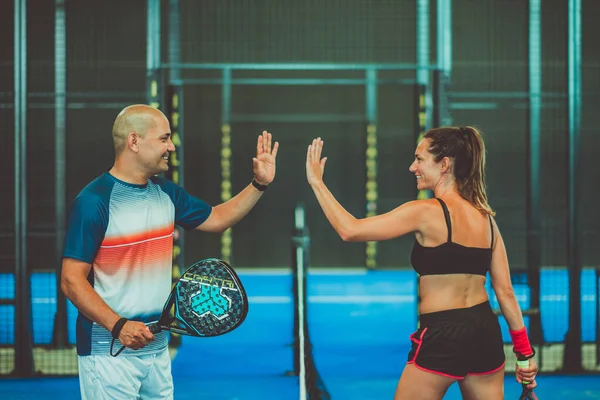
<point>311,384</point>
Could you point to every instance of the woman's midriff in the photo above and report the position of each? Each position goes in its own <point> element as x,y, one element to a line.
<point>447,292</point>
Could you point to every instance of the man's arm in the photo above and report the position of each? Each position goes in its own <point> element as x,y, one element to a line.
<point>76,287</point>
<point>229,213</point>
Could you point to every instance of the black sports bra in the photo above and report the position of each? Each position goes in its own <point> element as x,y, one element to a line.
<point>450,257</point>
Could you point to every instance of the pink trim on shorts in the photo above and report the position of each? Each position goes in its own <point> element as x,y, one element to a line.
<point>436,372</point>
<point>419,342</point>
<point>487,373</point>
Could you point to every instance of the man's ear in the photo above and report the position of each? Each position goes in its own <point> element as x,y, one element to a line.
<point>133,141</point>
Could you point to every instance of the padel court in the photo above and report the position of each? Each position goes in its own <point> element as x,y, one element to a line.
<point>359,322</point>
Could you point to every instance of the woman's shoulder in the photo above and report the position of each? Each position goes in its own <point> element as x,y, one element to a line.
<point>425,209</point>
<point>423,204</point>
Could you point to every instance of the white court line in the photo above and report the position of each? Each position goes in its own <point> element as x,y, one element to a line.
<point>383,299</point>
<point>351,299</point>
<point>269,299</point>
<point>43,300</point>
<point>556,297</point>
<point>334,299</point>
<point>275,271</point>
<point>278,271</point>
<point>345,271</point>
<point>390,299</point>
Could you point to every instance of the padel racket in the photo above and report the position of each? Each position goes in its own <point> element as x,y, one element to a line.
<point>207,300</point>
<point>526,394</point>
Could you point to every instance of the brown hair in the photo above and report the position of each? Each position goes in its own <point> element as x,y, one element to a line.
<point>464,145</point>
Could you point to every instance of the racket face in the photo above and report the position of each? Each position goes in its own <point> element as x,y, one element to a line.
<point>210,299</point>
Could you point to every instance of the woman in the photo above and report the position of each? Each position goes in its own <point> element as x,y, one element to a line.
<point>457,243</point>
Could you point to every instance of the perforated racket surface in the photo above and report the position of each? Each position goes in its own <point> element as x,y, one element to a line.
<point>207,300</point>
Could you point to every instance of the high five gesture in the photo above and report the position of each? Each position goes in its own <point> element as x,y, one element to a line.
<point>264,162</point>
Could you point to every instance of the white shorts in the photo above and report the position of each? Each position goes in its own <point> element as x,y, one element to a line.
<point>126,377</point>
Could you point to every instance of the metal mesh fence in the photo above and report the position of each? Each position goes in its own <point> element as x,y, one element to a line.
<point>106,63</point>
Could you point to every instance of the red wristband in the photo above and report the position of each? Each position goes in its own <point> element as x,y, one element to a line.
<point>521,342</point>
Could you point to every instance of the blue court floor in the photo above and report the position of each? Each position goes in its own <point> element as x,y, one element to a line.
<point>359,323</point>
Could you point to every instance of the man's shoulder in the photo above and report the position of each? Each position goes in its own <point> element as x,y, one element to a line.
<point>97,191</point>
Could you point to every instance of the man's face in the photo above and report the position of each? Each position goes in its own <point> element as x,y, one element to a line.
<point>155,146</point>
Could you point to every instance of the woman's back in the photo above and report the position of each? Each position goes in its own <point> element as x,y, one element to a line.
<point>452,254</point>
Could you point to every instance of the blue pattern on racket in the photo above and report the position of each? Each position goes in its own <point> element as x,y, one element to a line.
<point>207,300</point>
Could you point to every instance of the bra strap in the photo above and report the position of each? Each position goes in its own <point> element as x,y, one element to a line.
<point>491,226</point>
<point>447,216</point>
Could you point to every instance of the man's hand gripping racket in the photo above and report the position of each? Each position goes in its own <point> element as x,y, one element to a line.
<point>207,300</point>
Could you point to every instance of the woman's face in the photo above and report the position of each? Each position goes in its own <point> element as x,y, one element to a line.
<point>426,170</point>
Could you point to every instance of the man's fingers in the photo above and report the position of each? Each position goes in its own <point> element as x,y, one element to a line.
<point>259,145</point>
<point>275,148</point>
<point>269,137</point>
<point>148,336</point>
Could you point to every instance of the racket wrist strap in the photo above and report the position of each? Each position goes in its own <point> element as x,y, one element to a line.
<point>521,345</point>
<point>116,330</point>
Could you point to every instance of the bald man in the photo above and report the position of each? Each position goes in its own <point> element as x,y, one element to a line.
<point>118,255</point>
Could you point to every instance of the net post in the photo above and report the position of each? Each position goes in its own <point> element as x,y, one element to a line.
<point>295,244</point>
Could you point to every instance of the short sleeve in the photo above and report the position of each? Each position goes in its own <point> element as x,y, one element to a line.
<point>190,211</point>
<point>87,223</point>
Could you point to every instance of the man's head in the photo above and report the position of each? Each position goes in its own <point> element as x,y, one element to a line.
<point>142,139</point>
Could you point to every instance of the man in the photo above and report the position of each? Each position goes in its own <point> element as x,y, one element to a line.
<point>118,254</point>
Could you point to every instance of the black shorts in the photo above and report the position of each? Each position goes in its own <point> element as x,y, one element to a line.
<point>458,342</point>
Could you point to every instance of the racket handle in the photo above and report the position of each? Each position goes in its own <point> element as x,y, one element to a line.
<point>154,328</point>
<point>524,364</point>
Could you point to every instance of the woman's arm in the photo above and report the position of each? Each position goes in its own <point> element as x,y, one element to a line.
<point>400,221</point>
<point>501,282</point>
